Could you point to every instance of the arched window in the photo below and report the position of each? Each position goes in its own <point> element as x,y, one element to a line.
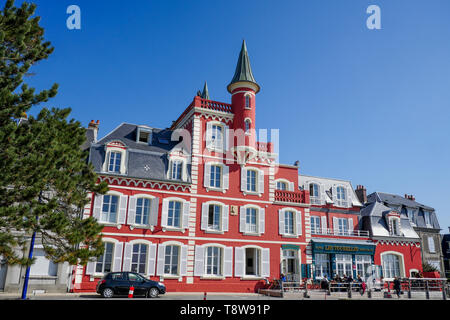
<point>247,125</point>
<point>281,185</point>
<point>139,258</point>
<point>391,265</point>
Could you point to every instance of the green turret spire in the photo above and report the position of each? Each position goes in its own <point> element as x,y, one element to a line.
<point>243,71</point>
<point>205,93</point>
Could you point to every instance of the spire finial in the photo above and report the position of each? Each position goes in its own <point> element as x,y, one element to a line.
<point>205,93</point>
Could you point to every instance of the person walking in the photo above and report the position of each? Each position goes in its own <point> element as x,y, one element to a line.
<point>397,286</point>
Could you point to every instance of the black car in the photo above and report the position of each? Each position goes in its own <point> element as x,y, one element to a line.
<point>119,283</point>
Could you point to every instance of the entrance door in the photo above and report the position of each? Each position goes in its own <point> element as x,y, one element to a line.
<point>290,265</point>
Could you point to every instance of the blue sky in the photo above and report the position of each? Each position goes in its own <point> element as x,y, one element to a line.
<point>369,106</point>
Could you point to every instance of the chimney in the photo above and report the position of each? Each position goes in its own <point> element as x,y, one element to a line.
<point>411,197</point>
<point>94,126</point>
<point>361,193</point>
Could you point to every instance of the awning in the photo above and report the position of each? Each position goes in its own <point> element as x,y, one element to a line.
<point>342,246</point>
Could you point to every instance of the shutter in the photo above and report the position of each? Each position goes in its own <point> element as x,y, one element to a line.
<point>226,177</point>
<point>122,209</point>
<point>117,264</point>
<point>239,262</point>
<point>154,208</point>
<point>151,259</point>
<point>90,267</point>
<point>265,262</point>
<point>349,197</point>
<point>204,220</point>
<point>199,261</point>
<point>334,194</point>
<point>207,175</point>
<point>161,259</point>
<point>262,218</point>
<point>164,212</point>
<point>127,257</point>
<point>186,206</point>
<point>228,262</point>
<point>335,225</point>
<point>291,186</point>
<point>132,211</point>
<point>350,226</point>
<point>226,138</point>
<point>324,224</point>
<point>183,260</point>
<point>298,217</point>
<point>98,203</point>
<point>225,210</point>
<point>208,135</point>
<point>243,179</point>
<point>322,193</point>
<point>281,222</point>
<point>242,219</point>
<point>260,181</point>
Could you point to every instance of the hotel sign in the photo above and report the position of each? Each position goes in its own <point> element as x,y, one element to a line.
<point>343,248</point>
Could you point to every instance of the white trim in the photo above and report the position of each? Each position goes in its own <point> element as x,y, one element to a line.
<point>402,263</point>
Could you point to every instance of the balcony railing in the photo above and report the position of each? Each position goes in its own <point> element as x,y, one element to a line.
<point>290,196</point>
<point>339,232</point>
<point>264,146</point>
<point>213,105</point>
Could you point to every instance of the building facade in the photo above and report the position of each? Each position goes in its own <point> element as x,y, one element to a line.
<point>446,253</point>
<point>200,206</point>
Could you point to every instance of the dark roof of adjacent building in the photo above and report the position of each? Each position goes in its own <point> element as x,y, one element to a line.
<point>243,72</point>
<point>374,220</point>
<point>400,204</point>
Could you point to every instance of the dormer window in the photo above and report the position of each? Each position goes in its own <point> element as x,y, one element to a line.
<point>143,135</point>
<point>427,216</point>
<point>394,225</point>
<point>176,170</point>
<point>114,162</point>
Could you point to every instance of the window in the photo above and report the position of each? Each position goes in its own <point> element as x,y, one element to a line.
<point>104,262</point>
<point>114,161</point>
<point>252,261</point>
<point>139,258</point>
<point>290,264</point>
<point>395,225</point>
<point>214,216</point>
<point>341,196</point>
<point>322,265</point>
<point>342,226</point>
<point>213,261</point>
<point>135,277</point>
<point>217,136</point>
<point>251,180</point>
<point>315,225</point>
<point>431,247</point>
<point>142,211</point>
<point>144,135</point>
<point>247,125</point>
<point>281,185</point>
<point>215,176</point>
<point>174,214</point>
<point>344,264</point>
<point>43,266</point>
<point>427,216</point>
<point>363,262</point>
<point>109,208</point>
<point>391,265</point>
<point>289,222</point>
<point>250,220</point>
<point>411,214</point>
<point>247,101</point>
<point>171,260</point>
<point>176,170</point>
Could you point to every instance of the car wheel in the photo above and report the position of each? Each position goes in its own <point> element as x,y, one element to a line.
<point>107,293</point>
<point>152,293</point>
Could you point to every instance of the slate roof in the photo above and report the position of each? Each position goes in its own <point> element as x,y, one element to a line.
<point>146,161</point>
<point>243,70</point>
<point>373,218</point>
<point>401,203</point>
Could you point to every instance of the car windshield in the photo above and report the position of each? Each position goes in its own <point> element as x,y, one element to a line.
<point>117,276</point>
<point>135,277</point>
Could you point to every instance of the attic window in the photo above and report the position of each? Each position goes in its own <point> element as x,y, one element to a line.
<point>143,135</point>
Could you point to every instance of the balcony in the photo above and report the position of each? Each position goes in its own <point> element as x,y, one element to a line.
<point>340,233</point>
<point>264,146</point>
<point>299,197</point>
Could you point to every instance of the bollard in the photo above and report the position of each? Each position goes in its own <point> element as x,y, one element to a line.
<point>409,289</point>
<point>369,293</point>
<point>349,292</point>
<point>305,294</point>
<point>427,290</point>
<point>328,291</point>
<point>204,296</point>
<point>444,295</point>
<point>131,292</point>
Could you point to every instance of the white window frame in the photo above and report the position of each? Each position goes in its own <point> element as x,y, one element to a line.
<point>220,262</point>
<point>395,221</point>
<point>263,263</point>
<point>319,199</point>
<point>132,211</point>
<point>259,181</point>
<point>226,261</point>
<point>146,130</point>
<point>289,184</point>
<point>181,263</point>
<point>210,143</point>
<point>116,264</point>
<point>430,240</point>
<point>427,218</point>
<point>150,263</point>
<point>123,159</point>
<point>247,101</point>
<point>122,207</point>
<point>401,264</point>
<point>224,177</point>
<point>184,214</point>
<point>260,220</point>
<point>321,259</point>
<point>297,223</point>
<point>316,226</point>
<point>223,217</point>
<point>172,161</point>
